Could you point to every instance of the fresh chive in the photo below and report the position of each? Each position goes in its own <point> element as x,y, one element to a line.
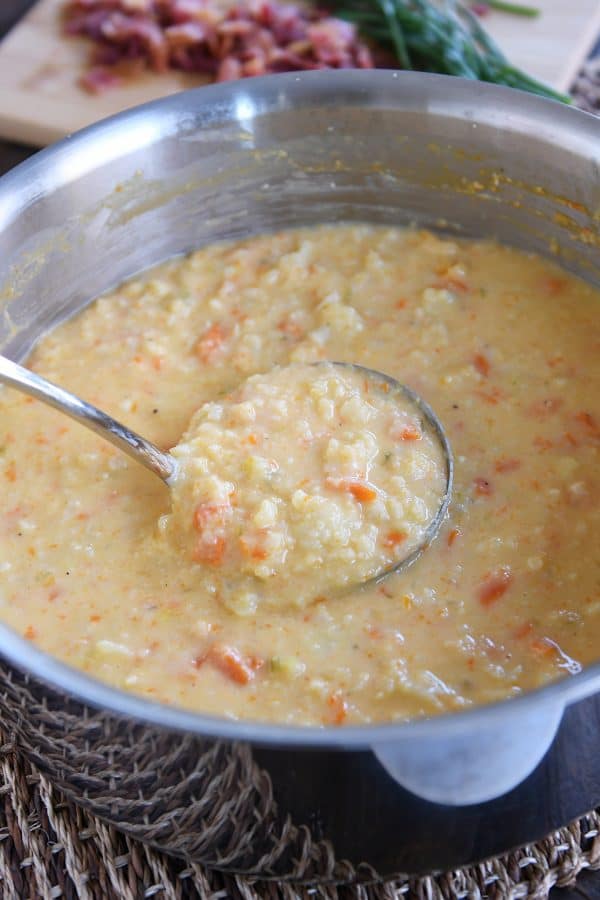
<point>447,38</point>
<point>388,10</point>
<point>515,9</point>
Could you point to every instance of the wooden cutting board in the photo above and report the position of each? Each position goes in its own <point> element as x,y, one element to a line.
<point>40,100</point>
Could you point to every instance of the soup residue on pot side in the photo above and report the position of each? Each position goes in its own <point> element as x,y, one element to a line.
<point>503,345</point>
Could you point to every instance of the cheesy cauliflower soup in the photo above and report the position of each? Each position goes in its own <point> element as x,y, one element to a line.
<point>305,480</point>
<point>197,607</point>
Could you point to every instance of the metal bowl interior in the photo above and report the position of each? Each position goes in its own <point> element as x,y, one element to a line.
<point>285,151</point>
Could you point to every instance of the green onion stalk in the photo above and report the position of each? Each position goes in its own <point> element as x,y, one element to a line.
<point>440,36</point>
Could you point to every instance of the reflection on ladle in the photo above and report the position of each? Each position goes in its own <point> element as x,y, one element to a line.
<point>167,466</point>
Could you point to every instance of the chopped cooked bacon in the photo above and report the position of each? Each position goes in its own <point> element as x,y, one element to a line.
<point>98,79</point>
<point>252,38</point>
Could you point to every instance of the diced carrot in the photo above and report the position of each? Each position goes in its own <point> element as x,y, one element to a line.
<point>482,364</point>
<point>483,487</point>
<point>231,663</point>
<point>505,464</point>
<point>401,304</point>
<point>11,472</point>
<point>570,439</point>
<point>453,535</point>
<point>30,633</point>
<point>394,538</point>
<point>252,548</point>
<point>209,550</point>
<point>338,708</point>
<point>207,515</point>
<point>408,433</point>
<point>210,343</point>
<point>359,490</point>
<point>542,443</point>
<point>494,586</point>
<point>252,439</point>
<point>362,492</point>
<point>95,618</point>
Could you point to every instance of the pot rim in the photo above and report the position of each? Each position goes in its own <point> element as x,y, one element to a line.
<point>477,102</point>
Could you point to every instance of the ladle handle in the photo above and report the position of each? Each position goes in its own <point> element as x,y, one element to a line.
<point>14,375</point>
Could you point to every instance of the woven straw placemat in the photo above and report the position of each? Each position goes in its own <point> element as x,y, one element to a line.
<point>51,848</point>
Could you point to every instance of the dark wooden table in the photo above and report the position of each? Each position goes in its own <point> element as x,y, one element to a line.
<point>12,154</point>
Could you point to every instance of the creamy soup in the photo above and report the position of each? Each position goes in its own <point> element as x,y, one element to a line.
<point>505,348</point>
<point>303,481</point>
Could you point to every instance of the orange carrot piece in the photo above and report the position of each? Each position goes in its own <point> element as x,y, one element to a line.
<point>231,663</point>
<point>362,492</point>
<point>338,708</point>
<point>11,472</point>
<point>359,490</point>
<point>252,548</point>
<point>453,535</point>
<point>209,550</point>
<point>507,465</point>
<point>209,343</point>
<point>30,633</point>
<point>494,586</point>
<point>394,538</point>
<point>482,364</point>
<point>210,514</point>
<point>408,433</point>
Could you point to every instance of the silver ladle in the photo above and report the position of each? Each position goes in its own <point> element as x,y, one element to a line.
<point>162,464</point>
<point>165,466</point>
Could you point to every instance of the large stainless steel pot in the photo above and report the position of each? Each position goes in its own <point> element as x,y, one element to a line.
<point>233,160</point>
